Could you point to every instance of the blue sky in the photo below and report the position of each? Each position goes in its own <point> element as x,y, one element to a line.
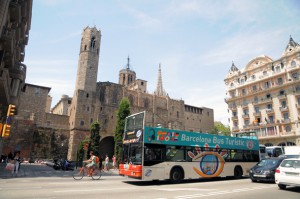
<point>195,41</point>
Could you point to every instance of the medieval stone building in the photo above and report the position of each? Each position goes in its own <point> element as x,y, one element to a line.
<point>69,121</point>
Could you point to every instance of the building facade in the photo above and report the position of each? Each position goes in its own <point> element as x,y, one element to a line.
<point>15,22</point>
<point>265,97</point>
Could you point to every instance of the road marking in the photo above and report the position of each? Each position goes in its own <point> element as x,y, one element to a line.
<point>16,188</point>
<point>86,190</point>
<point>183,189</point>
<point>222,192</point>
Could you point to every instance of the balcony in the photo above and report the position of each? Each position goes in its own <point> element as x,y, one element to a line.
<point>256,114</point>
<point>235,128</point>
<point>263,124</point>
<point>245,116</point>
<point>265,100</point>
<point>281,96</point>
<point>284,109</point>
<point>245,105</point>
<point>287,133</point>
<point>269,134</point>
<point>270,111</point>
<point>233,107</point>
<point>246,127</point>
<point>285,121</point>
<point>233,118</point>
<point>296,91</point>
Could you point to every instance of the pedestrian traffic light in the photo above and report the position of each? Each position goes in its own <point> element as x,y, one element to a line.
<point>11,110</point>
<point>6,130</point>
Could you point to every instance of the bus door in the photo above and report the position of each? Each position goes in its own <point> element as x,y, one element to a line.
<point>132,160</point>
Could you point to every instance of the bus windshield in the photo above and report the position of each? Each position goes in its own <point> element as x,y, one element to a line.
<point>132,153</point>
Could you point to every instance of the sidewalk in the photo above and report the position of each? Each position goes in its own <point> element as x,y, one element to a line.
<point>38,170</point>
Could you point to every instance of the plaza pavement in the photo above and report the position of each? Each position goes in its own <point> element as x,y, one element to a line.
<point>41,170</point>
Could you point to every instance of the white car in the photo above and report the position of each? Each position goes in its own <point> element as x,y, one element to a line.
<point>288,173</point>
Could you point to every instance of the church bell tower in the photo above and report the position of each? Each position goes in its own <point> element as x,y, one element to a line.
<point>83,111</point>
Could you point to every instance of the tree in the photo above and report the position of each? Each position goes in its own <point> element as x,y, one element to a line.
<point>220,128</point>
<point>94,143</point>
<point>122,113</point>
<point>80,152</point>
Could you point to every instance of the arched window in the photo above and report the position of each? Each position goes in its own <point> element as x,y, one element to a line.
<point>295,76</point>
<point>93,42</point>
<point>288,128</point>
<point>255,99</point>
<point>282,144</point>
<point>81,123</point>
<point>268,144</point>
<point>290,144</point>
<point>293,64</point>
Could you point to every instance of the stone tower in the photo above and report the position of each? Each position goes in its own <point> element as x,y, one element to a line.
<point>127,75</point>
<point>83,110</point>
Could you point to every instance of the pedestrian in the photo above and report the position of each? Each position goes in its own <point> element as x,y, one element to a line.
<point>17,161</point>
<point>106,162</point>
<point>114,159</point>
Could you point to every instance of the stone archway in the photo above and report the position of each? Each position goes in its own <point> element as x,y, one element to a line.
<point>107,146</point>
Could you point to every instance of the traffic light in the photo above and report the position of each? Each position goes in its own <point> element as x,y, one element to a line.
<point>1,126</point>
<point>11,110</point>
<point>6,130</point>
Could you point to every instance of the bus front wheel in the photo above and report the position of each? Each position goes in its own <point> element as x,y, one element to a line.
<point>176,175</point>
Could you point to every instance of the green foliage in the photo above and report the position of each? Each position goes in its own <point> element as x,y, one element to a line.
<point>94,143</point>
<point>80,152</point>
<point>220,128</point>
<point>122,113</point>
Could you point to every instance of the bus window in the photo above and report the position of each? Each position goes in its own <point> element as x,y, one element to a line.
<point>135,154</point>
<point>175,153</point>
<point>154,154</point>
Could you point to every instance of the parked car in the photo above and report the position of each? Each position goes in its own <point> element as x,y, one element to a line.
<point>265,169</point>
<point>289,156</point>
<point>288,173</point>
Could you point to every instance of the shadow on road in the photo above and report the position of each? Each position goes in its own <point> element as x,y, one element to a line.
<point>165,182</point>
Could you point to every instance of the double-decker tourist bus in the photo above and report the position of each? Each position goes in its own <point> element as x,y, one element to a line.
<point>152,153</point>
<point>253,135</point>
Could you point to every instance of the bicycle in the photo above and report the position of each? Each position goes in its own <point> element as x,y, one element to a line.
<point>95,173</point>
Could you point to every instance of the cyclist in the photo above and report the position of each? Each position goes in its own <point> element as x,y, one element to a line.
<point>91,162</point>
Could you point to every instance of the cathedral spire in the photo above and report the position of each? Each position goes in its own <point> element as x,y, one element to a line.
<point>128,65</point>
<point>159,87</point>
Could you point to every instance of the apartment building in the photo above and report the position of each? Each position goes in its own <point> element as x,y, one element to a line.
<point>265,97</point>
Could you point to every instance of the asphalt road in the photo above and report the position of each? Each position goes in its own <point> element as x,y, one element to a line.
<point>112,186</point>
